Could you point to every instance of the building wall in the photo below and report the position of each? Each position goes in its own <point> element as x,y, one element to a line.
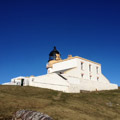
<point>80,68</point>
<point>66,65</point>
<point>91,86</point>
<point>70,85</point>
<point>86,71</point>
<point>50,81</point>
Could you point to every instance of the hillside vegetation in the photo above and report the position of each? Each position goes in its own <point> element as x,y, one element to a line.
<point>104,105</point>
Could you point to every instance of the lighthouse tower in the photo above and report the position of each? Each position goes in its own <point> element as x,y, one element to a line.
<point>54,57</point>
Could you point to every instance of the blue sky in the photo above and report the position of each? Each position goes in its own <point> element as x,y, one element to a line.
<point>30,28</point>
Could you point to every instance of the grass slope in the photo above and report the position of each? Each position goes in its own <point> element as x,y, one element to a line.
<point>104,105</point>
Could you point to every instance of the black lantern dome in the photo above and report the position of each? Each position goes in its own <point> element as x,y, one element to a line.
<point>52,55</point>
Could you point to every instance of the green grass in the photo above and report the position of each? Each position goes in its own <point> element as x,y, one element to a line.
<point>104,105</point>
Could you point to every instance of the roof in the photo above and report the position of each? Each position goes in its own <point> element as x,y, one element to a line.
<point>69,58</point>
<point>54,52</point>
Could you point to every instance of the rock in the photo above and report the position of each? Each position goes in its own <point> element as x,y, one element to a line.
<point>30,115</point>
<point>109,104</point>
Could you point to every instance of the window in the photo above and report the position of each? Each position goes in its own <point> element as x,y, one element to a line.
<point>97,70</point>
<point>81,65</point>
<point>32,79</point>
<point>89,68</point>
<point>82,75</point>
<point>90,77</point>
<point>52,58</point>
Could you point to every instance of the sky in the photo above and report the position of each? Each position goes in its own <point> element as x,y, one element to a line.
<point>29,29</point>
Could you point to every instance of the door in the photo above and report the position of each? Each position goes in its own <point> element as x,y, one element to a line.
<point>22,82</point>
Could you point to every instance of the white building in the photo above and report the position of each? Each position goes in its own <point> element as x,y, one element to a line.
<point>71,75</point>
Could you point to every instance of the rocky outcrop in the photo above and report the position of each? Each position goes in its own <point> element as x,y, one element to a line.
<point>30,115</point>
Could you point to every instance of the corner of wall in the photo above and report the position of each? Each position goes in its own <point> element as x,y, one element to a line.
<point>104,79</point>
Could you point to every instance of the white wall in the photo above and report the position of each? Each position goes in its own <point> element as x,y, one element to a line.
<point>73,68</point>
<point>86,71</point>
<point>77,84</point>
<point>71,85</point>
<point>50,81</point>
<point>65,65</point>
<point>91,86</point>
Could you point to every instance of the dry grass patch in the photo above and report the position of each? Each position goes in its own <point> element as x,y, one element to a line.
<point>104,105</point>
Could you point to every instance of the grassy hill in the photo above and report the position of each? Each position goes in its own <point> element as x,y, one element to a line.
<point>104,105</point>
